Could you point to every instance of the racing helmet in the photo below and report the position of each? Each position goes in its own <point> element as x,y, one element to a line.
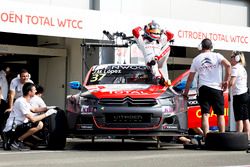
<point>153,30</point>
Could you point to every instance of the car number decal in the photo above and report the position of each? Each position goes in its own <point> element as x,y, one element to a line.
<point>97,77</point>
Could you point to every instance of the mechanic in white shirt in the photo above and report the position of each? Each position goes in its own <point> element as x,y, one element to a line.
<point>22,117</point>
<point>211,84</point>
<point>36,100</point>
<point>238,83</point>
<point>16,85</point>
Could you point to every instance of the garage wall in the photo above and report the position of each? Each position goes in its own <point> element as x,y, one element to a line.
<point>211,11</point>
<point>74,61</point>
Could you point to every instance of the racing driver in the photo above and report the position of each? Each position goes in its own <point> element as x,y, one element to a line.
<point>153,42</point>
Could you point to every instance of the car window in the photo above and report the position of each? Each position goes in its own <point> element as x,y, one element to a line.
<point>121,74</point>
<point>182,83</point>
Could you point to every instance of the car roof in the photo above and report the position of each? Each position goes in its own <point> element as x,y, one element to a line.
<point>119,65</point>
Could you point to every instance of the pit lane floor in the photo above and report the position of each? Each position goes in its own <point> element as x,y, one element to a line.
<point>114,153</point>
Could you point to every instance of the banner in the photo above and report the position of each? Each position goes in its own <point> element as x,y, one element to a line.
<point>25,18</point>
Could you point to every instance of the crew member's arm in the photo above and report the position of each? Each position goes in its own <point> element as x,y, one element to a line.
<point>38,109</point>
<point>11,96</point>
<point>41,116</point>
<point>188,84</point>
<point>232,81</point>
<point>226,80</point>
<point>233,77</point>
<point>42,109</point>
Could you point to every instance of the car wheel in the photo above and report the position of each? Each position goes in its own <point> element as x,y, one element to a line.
<point>226,141</point>
<point>57,130</point>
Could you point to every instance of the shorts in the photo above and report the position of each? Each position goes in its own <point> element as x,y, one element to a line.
<point>26,126</point>
<point>209,97</point>
<point>240,106</point>
<point>20,130</point>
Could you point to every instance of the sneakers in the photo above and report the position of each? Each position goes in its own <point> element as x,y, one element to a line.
<point>18,145</point>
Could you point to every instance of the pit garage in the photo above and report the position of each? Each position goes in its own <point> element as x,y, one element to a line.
<point>18,51</point>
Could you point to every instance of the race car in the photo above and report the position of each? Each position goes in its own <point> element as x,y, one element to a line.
<point>124,100</point>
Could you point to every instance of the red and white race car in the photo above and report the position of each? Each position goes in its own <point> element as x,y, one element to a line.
<point>124,100</point>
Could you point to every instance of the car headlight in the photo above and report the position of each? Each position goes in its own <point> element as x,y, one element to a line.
<point>167,105</point>
<point>166,101</point>
<point>88,105</point>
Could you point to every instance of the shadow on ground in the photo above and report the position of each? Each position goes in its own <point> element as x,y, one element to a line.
<point>118,145</point>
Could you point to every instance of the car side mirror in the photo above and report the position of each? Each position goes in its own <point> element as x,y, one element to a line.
<point>181,86</point>
<point>75,85</point>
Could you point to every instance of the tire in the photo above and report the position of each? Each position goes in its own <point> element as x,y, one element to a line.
<point>233,141</point>
<point>57,124</point>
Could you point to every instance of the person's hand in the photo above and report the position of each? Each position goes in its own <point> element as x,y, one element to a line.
<point>224,85</point>
<point>167,83</point>
<point>50,112</point>
<point>8,110</point>
<point>151,63</point>
<point>51,107</point>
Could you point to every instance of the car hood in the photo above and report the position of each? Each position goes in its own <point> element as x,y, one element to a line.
<point>122,91</point>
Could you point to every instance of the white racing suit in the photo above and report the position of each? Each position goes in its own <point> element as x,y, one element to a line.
<point>158,50</point>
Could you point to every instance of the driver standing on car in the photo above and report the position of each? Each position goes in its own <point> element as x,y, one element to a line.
<point>211,83</point>
<point>22,118</point>
<point>152,41</point>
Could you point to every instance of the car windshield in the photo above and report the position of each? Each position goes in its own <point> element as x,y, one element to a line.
<point>120,74</point>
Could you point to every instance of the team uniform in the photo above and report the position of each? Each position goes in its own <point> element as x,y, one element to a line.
<point>3,85</point>
<point>17,86</point>
<point>37,101</point>
<point>17,116</point>
<point>156,49</point>
<point>239,91</point>
<point>3,98</point>
<point>209,68</point>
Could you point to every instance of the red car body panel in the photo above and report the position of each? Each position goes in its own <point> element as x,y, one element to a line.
<point>104,92</point>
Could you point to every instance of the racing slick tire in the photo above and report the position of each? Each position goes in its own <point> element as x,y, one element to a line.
<point>57,130</point>
<point>231,141</point>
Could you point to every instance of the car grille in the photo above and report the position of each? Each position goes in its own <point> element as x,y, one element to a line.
<point>127,101</point>
<point>128,118</point>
